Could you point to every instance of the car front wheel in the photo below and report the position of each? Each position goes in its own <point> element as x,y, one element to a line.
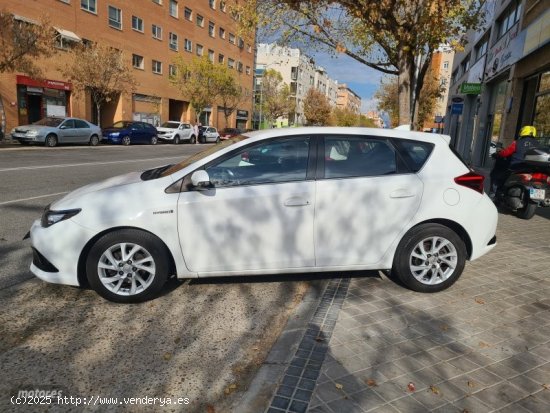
<point>177,140</point>
<point>127,266</point>
<point>51,140</point>
<point>430,258</point>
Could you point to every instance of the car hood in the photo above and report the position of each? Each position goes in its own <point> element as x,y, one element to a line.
<point>166,130</point>
<point>26,128</point>
<point>69,200</point>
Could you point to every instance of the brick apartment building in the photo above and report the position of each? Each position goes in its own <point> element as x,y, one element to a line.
<point>348,99</point>
<point>151,33</point>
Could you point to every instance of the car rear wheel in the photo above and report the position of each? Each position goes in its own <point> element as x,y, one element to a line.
<point>127,266</point>
<point>51,140</point>
<point>154,140</point>
<point>430,258</point>
<point>218,139</point>
<point>126,141</point>
<point>193,139</point>
<point>176,140</point>
<point>94,140</point>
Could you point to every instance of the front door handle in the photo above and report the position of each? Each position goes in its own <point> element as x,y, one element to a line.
<point>402,193</point>
<point>296,201</point>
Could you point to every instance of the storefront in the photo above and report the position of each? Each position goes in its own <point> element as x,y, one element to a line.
<point>146,109</point>
<point>242,119</point>
<point>38,99</point>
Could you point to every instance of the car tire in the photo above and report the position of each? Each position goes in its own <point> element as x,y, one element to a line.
<point>176,140</point>
<point>146,282</point>
<point>154,140</point>
<point>193,139</point>
<point>439,265</point>
<point>126,140</point>
<point>94,140</point>
<point>50,141</point>
<point>218,139</point>
<point>528,211</point>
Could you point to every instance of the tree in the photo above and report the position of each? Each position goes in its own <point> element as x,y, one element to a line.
<point>388,100</point>
<point>199,81</point>
<point>22,43</point>
<point>430,93</point>
<point>276,99</point>
<point>395,37</point>
<point>230,93</point>
<point>317,109</point>
<point>101,70</point>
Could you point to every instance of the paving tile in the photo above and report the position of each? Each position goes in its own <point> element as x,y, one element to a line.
<point>513,408</point>
<point>386,408</point>
<point>389,391</point>
<point>345,405</point>
<point>526,384</point>
<point>500,395</point>
<point>367,399</point>
<point>429,399</point>
<point>472,404</point>
<point>409,405</point>
<point>534,404</point>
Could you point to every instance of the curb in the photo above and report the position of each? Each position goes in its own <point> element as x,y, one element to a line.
<point>266,381</point>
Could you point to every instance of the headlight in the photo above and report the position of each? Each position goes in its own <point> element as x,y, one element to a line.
<point>52,217</point>
<point>32,132</point>
<point>115,134</point>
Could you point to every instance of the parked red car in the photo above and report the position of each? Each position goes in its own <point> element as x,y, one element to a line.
<point>228,133</point>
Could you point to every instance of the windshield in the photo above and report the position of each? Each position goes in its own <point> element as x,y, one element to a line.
<point>201,155</point>
<point>171,125</point>
<point>54,122</point>
<point>121,125</point>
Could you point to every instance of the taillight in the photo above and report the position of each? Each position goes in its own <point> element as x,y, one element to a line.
<point>471,180</point>
<point>535,177</point>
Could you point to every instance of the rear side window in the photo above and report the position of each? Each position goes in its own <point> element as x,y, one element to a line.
<point>415,153</point>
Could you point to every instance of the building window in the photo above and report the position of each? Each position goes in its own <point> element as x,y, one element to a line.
<point>222,33</point>
<point>446,64</point>
<point>200,50</point>
<point>482,46</point>
<point>211,55</point>
<point>249,48</point>
<point>221,58</point>
<point>157,31</point>
<point>211,29</point>
<point>173,41</point>
<point>137,24</point>
<point>248,70</point>
<point>465,65</point>
<point>188,14</point>
<point>157,1</point>
<point>241,43</point>
<point>232,38</point>
<point>240,67</point>
<point>200,20</point>
<point>88,5</point>
<point>157,67</point>
<point>172,70</point>
<point>188,45</point>
<point>115,17</point>
<point>222,6</point>
<point>137,61</point>
<point>174,8</point>
<point>212,4</point>
<point>231,63</point>
<point>509,18</point>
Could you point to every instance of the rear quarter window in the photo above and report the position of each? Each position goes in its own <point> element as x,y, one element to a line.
<point>415,153</point>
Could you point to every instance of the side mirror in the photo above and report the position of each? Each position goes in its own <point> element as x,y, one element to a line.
<point>200,179</point>
<point>62,127</point>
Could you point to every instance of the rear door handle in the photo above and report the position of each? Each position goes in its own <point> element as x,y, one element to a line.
<point>296,201</point>
<point>402,193</point>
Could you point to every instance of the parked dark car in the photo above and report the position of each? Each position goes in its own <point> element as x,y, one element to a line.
<point>130,132</point>
<point>228,133</point>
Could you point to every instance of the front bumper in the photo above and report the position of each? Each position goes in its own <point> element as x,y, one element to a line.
<point>58,247</point>
<point>21,137</point>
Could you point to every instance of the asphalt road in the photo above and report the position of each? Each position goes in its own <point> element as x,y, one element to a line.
<point>201,339</point>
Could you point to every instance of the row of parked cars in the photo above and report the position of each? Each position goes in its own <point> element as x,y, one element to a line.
<point>52,131</point>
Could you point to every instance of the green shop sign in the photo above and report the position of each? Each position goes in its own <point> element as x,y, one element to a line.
<point>470,88</point>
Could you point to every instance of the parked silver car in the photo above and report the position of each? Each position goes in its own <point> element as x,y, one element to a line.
<point>51,131</point>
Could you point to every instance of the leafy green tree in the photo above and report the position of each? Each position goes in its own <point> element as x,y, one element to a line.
<point>100,70</point>
<point>317,109</point>
<point>395,37</point>
<point>387,97</point>
<point>276,100</point>
<point>230,92</point>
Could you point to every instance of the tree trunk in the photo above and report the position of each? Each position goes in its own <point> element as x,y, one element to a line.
<point>405,87</point>
<point>98,113</point>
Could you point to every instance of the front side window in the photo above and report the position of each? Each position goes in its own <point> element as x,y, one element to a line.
<point>115,17</point>
<point>350,156</point>
<point>280,160</point>
<point>137,23</point>
<point>68,124</point>
<point>88,5</point>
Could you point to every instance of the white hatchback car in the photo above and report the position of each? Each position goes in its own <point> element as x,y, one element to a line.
<point>277,201</point>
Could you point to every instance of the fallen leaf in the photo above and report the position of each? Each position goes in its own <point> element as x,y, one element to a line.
<point>210,409</point>
<point>546,386</point>
<point>483,344</point>
<point>434,389</point>
<point>480,300</point>
<point>319,338</point>
<point>177,340</point>
<point>444,327</point>
<point>471,383</point>
<point>339,386</point>
<point>371,383</point>
<point>167,356</point>
<point>411,387</point>
<point>233,386</point>
<point>465,411</point>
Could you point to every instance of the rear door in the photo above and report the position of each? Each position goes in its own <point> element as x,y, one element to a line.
<point>83,131</point>
<point>365,195</point>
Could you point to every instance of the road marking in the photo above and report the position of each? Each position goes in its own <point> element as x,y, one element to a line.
<point>20,168</point>
<point>31,198</point>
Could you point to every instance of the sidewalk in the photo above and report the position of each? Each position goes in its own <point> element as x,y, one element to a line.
<point>373,346</point>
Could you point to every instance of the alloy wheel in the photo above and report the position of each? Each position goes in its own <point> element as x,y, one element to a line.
<point>433,260</point>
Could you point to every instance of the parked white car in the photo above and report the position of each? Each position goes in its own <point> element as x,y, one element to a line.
<point>297,200</point>
<point>209,134</point>
<point>176,132</point>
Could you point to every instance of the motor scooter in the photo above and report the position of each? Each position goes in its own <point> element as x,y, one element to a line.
<point>527,186</point>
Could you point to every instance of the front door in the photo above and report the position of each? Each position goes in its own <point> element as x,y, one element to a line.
<point>362,201</point>
<point>258,214</point>
<point>68,132</point>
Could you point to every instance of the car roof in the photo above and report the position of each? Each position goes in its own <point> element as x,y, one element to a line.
<point>336,130</point>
